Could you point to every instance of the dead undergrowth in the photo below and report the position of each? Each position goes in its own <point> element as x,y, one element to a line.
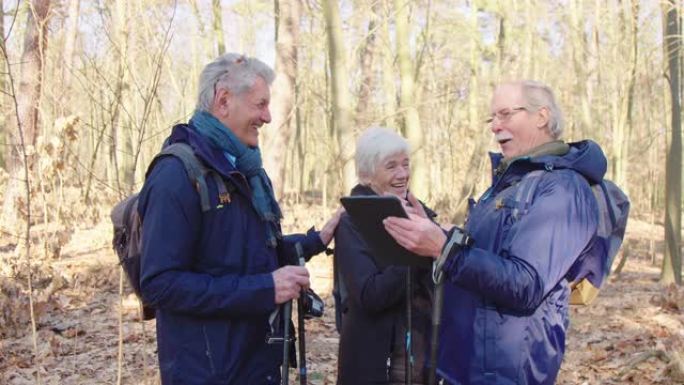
<point>633,333</point>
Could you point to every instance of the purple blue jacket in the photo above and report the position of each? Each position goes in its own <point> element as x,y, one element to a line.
<point>506,298</point>
<point>209,274</point>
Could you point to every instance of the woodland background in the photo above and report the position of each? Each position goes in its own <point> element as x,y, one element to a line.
<point>90,89</point>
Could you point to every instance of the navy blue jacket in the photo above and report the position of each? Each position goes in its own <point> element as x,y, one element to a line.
<point>209,274</point>
<point>506,299</point>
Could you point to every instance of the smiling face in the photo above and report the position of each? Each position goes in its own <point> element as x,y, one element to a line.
<point>515,128</point>
<point>244,113</point>
<point>392,175</point>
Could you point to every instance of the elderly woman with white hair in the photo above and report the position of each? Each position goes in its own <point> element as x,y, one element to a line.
<point>373,323</point>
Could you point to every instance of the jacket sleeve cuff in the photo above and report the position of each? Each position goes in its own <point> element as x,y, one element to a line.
<point>312,243</point>
<point>454,254</point>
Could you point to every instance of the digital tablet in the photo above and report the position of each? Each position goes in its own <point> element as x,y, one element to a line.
<point>367,213</point>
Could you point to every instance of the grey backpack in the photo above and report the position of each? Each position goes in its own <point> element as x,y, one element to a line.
<point>127,241</point>
<point>596,261</point>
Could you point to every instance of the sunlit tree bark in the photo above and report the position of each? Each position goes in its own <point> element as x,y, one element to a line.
<point>341,96</point>
<point>407,102</point>
<point>28,99</point>
<point>284,100</point>
<point>672,262</point>
<point>217,12</point>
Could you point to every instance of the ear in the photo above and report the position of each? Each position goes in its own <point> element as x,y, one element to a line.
<point>543,118</point>
<point>222,100</point>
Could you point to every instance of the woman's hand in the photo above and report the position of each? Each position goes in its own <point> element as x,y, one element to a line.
<point>412,206</point>
<point>328,229</point>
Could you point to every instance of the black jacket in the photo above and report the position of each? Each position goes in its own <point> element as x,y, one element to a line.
<point>374,312</point>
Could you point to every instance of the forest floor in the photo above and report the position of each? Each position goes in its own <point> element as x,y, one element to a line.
<point>88,333</point>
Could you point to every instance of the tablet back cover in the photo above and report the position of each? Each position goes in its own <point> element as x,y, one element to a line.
<point>367,213</point>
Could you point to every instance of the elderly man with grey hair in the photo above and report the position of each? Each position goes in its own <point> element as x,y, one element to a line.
<point>214,262</point>
<point>506,294</point>
<point>373,328</point>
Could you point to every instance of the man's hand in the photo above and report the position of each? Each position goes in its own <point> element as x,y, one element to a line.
<point>417,234</point>
<point>328,229</point>
<point>289,282</point>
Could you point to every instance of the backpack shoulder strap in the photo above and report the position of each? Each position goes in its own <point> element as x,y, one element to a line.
<point>193,166</point>
<point>525,192</point>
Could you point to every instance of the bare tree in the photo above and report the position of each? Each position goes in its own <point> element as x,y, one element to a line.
<point>28,97</point>
<point>407,102</point>
<point>341,97</point>
<point>69,43</point>
<point>366,64</point>
<point>284,92</point>
<point>4,135</point>
<point>218,26</point>
<point>672,261</point>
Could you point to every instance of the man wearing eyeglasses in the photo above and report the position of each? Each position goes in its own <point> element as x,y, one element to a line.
<point>213,270</point>
<point>506,294</point>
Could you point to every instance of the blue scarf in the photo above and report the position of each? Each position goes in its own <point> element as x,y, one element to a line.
<point>248,162</point>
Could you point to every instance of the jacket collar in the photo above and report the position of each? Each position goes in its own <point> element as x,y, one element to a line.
<point>212,156</point>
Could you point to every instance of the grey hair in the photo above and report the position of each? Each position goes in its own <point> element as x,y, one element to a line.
<point>233,72</point>
<point>538,95</point>
<point>373,146</point>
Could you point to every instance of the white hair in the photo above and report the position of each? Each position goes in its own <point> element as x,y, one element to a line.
<point>538,95</point>
<point>374,146</point>
<point>233,72</point>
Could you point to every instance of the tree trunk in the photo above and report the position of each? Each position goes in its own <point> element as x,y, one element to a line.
<point>481,138</point>
<point>672,261</point>
<point>27,98</point>
<point>69,43</point>
<point>341,97</point>
<point>407,103</point>
<point>367,84</point>
<point>284,92</point>
<point>4,134</point>
<point>218,26</point>
<point>388,80</point>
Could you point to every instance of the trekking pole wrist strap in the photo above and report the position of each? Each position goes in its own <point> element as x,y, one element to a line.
<point>456,238</point>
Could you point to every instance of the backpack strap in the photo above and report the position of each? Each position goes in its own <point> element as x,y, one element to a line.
<point>225,189</point>
<point>197,172</point>
<point>526,188</point>
<point>194,168</point>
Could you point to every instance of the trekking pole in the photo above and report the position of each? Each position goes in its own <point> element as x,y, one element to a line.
<point>408,362</point>
<point>301,334</point>
<point>438,278</point>
<point>461,239</point>
<point>287,315</point>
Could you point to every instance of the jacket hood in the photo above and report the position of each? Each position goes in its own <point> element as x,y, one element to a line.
<point>585,157</point>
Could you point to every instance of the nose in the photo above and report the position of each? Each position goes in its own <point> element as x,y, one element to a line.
<point>403,173</point>
<point>266,115</point>
<point>495,125</point>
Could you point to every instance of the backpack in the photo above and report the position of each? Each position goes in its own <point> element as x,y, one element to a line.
<point>340,295</point>
<point>596,261</point>
<point>127,240</point>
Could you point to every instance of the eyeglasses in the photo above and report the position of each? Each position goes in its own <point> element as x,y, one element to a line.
<point>504,114</point>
